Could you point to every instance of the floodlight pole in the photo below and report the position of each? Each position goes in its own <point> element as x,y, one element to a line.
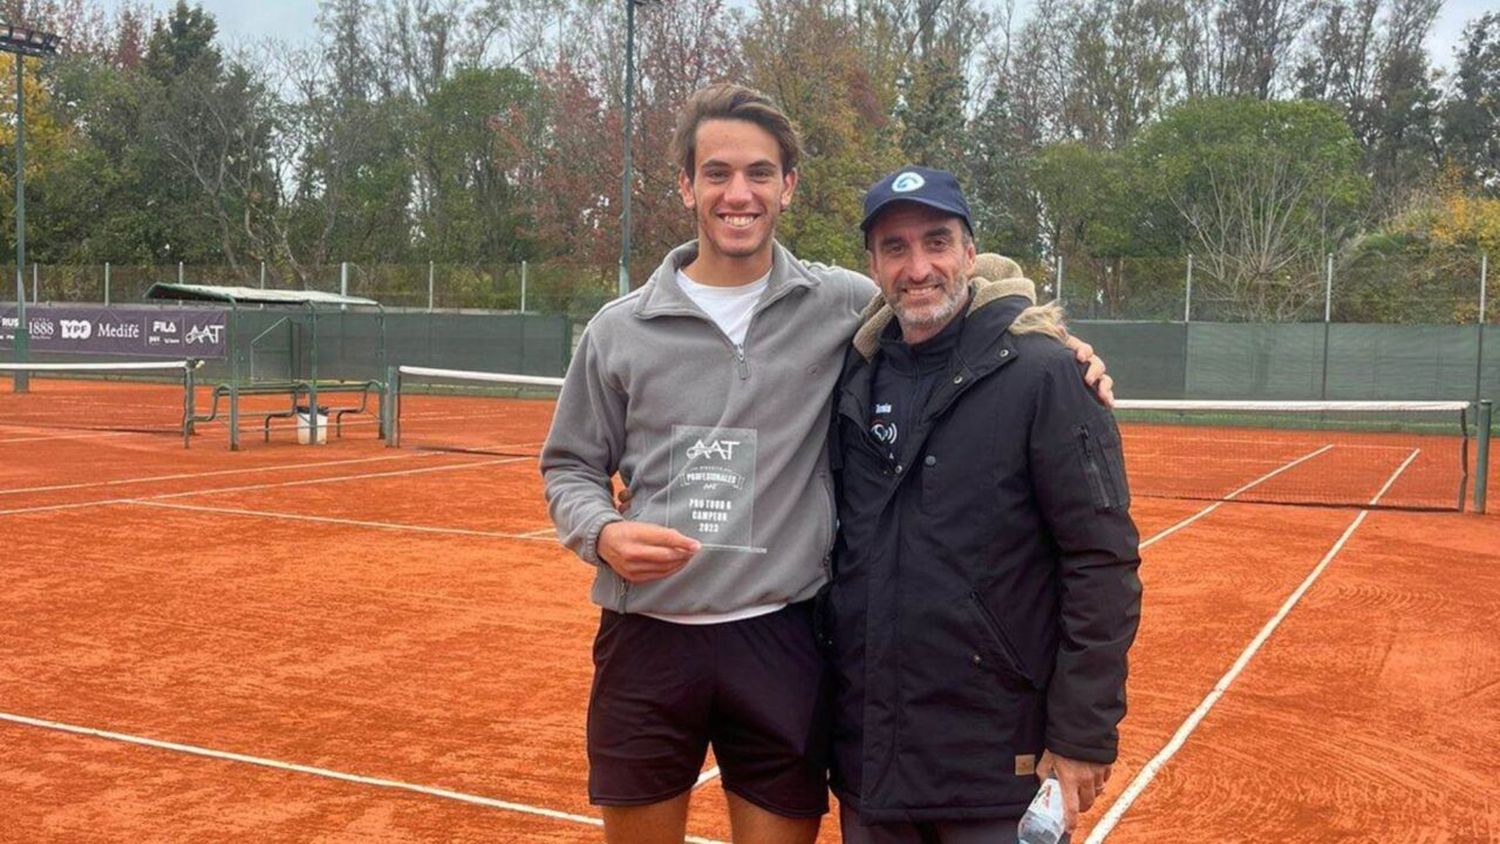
<point>627,179</point>
<point>23,42</point>
<point>22,342</point>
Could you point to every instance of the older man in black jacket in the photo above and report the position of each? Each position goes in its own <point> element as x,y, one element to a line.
<point>985,589</point>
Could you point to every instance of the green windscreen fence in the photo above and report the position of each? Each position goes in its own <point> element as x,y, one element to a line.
<point>1298,361</point>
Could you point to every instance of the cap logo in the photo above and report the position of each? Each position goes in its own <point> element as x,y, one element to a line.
<point>907,182</point>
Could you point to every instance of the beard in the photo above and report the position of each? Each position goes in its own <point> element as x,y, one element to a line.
<point>938,313</point>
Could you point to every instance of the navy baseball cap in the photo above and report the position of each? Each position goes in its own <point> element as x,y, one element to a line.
<point>923,185</point>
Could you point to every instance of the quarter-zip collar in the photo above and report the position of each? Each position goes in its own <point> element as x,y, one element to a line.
<point>662,296</point>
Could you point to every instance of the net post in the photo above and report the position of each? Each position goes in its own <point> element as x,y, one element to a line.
<point>188,411</point>
<point>1482,460</point>
<point>234,415</point>
<point>390,407</point>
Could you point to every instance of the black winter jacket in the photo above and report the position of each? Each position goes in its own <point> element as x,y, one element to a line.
<point>985,589</point>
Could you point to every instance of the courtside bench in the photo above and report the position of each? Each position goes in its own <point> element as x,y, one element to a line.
<point>301,395</point>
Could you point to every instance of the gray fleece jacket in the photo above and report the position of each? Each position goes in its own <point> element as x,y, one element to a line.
<point>725,444</point>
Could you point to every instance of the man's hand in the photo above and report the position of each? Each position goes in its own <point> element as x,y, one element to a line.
<point>1081,782</point>
<point>1104,386</point>
<point>642,552</point>
<point>622,499</point>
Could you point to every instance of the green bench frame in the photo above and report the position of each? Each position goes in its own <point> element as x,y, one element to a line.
<point>295,390</point>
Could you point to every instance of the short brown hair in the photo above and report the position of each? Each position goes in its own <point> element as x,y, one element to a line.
<point>727,101</point>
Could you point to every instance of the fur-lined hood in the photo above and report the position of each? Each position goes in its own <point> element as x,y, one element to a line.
<point>994,277</point>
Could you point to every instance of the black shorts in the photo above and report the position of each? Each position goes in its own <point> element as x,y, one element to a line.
<point>754,689</point>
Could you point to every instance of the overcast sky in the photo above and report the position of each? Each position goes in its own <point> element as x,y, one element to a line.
<point>293,20</point>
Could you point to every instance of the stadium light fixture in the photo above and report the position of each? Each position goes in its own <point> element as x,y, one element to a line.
<point>23,42</point>
<point>629,170</point>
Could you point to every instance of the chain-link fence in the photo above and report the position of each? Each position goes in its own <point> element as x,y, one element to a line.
<point>552,288</point>
<point>1443,288</point>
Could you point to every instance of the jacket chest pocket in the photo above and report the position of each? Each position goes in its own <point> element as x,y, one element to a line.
<point>1098,446</point>
<point>960,478</point>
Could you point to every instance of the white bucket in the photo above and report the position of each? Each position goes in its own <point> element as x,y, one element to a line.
<point>304,429</point>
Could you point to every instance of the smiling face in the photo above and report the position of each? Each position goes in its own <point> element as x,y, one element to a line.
<point>921,259</point>
<point>736,192</point>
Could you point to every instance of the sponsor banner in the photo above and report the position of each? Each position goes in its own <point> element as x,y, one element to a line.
<point>170,333</point>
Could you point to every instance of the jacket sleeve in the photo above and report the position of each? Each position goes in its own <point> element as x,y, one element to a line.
<point>1079,480</point>
<point>582,453</point>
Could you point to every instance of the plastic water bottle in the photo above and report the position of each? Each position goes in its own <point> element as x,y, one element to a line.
<point>1043,822</point>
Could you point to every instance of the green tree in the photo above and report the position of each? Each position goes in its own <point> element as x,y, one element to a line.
<point>808,55</point>
<point>1471,113</point>
<point>1263,190</point>
<point>468,205</point>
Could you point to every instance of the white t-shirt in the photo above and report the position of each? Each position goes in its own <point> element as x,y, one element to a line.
<point>730,308</point>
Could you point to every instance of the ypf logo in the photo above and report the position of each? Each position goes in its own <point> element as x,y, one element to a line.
<point>76,329</point>
<point>907,182</point>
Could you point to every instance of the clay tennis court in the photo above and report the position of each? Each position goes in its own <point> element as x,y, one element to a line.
<point>355,643</point>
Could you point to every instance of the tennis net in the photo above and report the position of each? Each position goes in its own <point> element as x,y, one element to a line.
<point>465,410</point>
<point>132,396</point>
<point>1397,455</point>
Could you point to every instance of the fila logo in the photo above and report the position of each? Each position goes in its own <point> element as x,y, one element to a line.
<point>722,449</point>
<point>163,327</point>
<point>908,182</point>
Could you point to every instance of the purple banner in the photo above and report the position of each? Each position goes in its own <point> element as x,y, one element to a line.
<point>171,333</point>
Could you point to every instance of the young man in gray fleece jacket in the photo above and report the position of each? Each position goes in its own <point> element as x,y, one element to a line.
<point>708,391</point>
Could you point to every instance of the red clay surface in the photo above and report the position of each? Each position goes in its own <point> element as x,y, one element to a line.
<point>403,615</point>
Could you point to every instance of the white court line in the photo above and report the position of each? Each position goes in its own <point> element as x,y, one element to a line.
<point>1399,470</point>
<point>185,476</point>
<point>309,482</point>
<point>299,517</point>
<point>327,773</point>
<point>1149,771</point>
<point>340,478</point>
<point>86,435</point>
<point>1230,497</point>
<point>706,777</point>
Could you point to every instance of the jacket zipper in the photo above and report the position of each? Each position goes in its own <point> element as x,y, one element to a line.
<point>741,363</point>
<point>1092,469</point>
